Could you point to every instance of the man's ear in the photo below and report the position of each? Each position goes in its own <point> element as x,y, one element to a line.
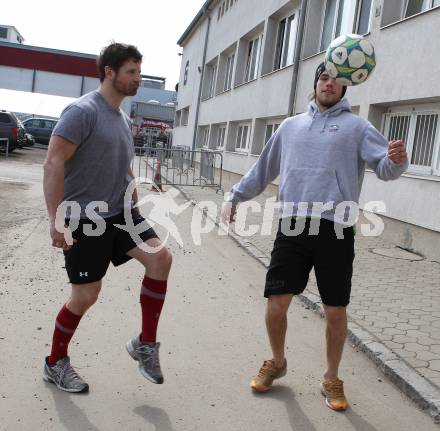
<point>108,71</point>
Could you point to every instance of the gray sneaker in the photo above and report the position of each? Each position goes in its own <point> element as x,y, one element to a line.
<point>148,358</point>
<point>63,375</point>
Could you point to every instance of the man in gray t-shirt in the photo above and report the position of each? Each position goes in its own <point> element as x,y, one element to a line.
<point>88,171</point>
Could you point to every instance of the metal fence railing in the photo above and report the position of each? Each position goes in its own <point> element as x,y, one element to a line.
<point>4,146</point>
<point>180,166</point>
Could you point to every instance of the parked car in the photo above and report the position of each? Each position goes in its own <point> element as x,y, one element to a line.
<point>30,140</point>
<point>12,129</point>
<point>40,128</point>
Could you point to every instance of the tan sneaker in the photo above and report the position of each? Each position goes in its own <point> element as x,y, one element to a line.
<point>267,374</point>
<point>333,390</point>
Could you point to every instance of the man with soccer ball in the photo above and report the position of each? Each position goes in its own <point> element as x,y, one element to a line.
<point>320,157</point>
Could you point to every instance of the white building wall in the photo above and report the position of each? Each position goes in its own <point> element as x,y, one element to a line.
<point>406,74</point>
<point>90,84</point>
<point>13,78</point>
<point>57,84</point>
<point>188,94</point>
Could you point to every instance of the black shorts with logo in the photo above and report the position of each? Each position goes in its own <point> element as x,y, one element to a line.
<point>294,256</point>
<point>89,258</point>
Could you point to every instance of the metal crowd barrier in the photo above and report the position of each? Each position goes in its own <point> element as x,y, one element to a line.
<point>4,142</point>
<point>179,166</point>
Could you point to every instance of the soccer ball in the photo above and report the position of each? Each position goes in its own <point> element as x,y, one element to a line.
<point>350,59</point>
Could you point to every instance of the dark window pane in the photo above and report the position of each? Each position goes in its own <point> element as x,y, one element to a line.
<point>416,6</point>
<point>280,43</point>
<point>329,19</point>
<point>364,17</point>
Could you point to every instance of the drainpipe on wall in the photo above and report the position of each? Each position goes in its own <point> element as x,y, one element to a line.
<point>297,60</point>
<point>196,122</point>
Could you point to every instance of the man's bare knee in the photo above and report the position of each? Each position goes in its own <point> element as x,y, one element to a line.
<point>335,316</point>
<point>278,305</point>
<point>85,295</point>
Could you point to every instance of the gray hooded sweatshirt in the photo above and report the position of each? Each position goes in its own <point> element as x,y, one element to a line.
<point>320,158</point>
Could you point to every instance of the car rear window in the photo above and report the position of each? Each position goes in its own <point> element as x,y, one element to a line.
<point>4,118</point>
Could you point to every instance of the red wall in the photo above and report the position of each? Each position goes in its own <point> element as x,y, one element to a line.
<point>48,61</point>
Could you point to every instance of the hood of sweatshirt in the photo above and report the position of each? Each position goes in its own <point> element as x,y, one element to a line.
<point>335,110</point>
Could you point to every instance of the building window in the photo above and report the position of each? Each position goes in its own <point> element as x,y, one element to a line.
<point>413,7</point>
<point>184,117</point>
<point>271,128</point>
<point>177,118</point>
<point>243,135</point>
<point>338,19</point>
<point>420,132</point>
<point>185,74</point>
<point>365,10</point>
<point>285,48</point>
<point>209,80</point>
<point>220,144</point>
<point>253,59</point>
<point>228,73</point>
<point>212,79</point>
<point>205,137</point>
<point>3,32</point>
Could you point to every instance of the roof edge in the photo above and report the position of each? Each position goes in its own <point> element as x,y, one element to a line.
<point>49,50</point>
<point>195,22</point>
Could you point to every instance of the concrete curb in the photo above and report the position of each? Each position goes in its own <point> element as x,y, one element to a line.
<point>422,392</point>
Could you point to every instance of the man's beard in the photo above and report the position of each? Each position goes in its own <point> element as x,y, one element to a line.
<point>124,89</point>
<point>328,104</point>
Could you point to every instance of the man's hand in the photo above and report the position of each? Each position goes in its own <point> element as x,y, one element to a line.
<point>397,152</point>
<point>228,212</point>
<point>62,240</point>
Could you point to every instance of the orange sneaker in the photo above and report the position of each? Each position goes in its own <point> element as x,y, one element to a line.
<point>267,374</point>
<point>333,390</point>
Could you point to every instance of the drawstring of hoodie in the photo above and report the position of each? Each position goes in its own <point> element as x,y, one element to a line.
<point>325,121</point>
<point>313,119</point>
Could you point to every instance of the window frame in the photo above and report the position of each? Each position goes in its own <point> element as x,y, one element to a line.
<point>407,3</point>
<point>184,116</point>
<point>280,49</point>
<point>250,56</point>
<point>229,71</point>
<point>205,137</point>
<point>335,21</point>
<point>221,133</point>
<point>434,168</point>
<point>212,80</point>
<point>274,125</point>
<point>358,18</point>
<point>239,148</point>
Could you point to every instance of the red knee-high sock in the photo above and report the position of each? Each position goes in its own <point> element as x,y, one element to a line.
<point>152,299</point>
<point>65,325</point>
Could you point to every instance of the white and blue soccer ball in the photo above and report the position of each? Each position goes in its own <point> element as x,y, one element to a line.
<point>350,59</point>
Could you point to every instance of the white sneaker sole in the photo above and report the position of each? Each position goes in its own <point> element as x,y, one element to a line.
<point>132,352</point>
<point>49,379</point>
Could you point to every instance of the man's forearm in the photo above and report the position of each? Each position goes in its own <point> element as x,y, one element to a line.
<point>53,186</point>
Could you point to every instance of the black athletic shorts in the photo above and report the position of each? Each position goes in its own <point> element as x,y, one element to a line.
<point>89,258</point>
<point>294,256</point>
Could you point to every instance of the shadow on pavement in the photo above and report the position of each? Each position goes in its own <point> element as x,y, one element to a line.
<point>297,418</point>
<point>156,416</point>
<point>358,422</point>
<point>70,415</point>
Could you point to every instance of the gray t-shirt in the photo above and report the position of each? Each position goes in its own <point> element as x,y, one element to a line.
<point>98,170</point>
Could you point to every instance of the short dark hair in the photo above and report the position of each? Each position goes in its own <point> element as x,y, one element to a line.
<point>115,55</point>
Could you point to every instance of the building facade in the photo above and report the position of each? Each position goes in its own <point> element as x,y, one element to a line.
<point>8,33</point>
<point>248,64</point>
